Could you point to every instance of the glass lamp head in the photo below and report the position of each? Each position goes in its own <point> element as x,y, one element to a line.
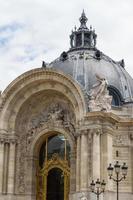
<point>124,169</point>
<point>117,167</point>
<point>110,170</point>
<point>92,185</point>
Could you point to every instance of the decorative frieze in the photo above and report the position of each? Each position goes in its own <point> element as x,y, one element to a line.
<point>121,140</point>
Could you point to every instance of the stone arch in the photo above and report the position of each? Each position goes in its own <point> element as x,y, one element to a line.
<point>33,156</point>
<point>32,82</point>
<point>40,137</point>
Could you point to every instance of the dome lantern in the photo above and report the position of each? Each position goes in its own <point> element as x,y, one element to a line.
<point>83,37</point>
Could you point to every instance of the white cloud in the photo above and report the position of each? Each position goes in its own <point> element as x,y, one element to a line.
<point>45,28</point>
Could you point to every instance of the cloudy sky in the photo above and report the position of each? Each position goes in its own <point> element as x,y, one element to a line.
<point>36,30</point>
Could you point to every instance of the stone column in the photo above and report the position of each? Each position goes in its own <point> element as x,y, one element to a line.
<point>96,155</point>
<point>11,170</point>
<point>5,171</point>
<point>84,162</point>
<point>106,157</point>
<point>31,175</point>
<point>82,39</point>
<point>78,164</point>
<point>72,172</point>
<point>1,164</point>
<point>131,137</point>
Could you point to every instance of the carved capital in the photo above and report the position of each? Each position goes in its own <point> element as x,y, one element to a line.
<point>8,141</point>
<point>1,141</point>
<point>82,132</point>
<point>96,131</point>
<point>13,141</point>
<point>131,136</point>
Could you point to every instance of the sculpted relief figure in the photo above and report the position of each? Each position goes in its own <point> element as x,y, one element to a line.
<point>55,113</point>
<point>100,100</point>
<point>83,197</point>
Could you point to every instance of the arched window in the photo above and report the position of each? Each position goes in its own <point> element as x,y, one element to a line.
<point>116,96</point>
<point>54,144</point>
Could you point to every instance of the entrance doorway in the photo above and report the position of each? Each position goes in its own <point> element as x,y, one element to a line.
<point>53,173</point>
<point>55,184</point>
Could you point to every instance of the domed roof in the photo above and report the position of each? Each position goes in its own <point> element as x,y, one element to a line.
<point>83,61</point>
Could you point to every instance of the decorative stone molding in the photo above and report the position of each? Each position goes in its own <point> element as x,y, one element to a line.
<point>54,115</point>
<point>42,74</point>
<point>8,139</point>
<point>121,140</point>
<point>1,140</point>
<point>131,136</point>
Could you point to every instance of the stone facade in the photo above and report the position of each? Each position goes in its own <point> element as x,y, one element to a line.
<point>46,100</point>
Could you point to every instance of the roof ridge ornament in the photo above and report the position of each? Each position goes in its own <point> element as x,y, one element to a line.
<point>83,20</point>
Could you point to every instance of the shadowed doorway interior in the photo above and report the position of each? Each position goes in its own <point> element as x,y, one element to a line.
<point>55,184</point>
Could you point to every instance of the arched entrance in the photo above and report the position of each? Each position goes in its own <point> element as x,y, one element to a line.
<point>55,184</point>
<point>53,173</point>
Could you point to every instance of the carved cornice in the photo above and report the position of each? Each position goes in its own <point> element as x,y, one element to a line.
<point>104,117</point>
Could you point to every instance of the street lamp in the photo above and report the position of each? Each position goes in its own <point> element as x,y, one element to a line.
<point>118,169</point>
<point>97,187</point>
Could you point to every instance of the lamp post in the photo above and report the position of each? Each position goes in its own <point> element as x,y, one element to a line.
<point>97,187</point>
<point>118,171</point>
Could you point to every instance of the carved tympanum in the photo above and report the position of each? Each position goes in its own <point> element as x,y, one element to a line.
<point>54,115</point>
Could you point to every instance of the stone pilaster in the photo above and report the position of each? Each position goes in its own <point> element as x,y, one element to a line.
<point>78,164</point>
<point>6,159</point>
<point>84,162</point>
<point>73,173</point>
<point>11,169</point>
<point>96,155</point>
<point>1,164</point>
<point>131,138</point>
<point>106,157</point>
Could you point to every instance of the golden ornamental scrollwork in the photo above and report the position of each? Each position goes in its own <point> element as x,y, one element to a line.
<point>42,174</point>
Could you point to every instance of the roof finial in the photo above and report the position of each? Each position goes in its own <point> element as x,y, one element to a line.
<point>83,19</point>
<point>43,64</point>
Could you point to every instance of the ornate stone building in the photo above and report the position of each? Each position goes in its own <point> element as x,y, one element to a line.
<point>62,124</point>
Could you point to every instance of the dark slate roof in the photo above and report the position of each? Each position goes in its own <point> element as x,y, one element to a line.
<point>83,64</point>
